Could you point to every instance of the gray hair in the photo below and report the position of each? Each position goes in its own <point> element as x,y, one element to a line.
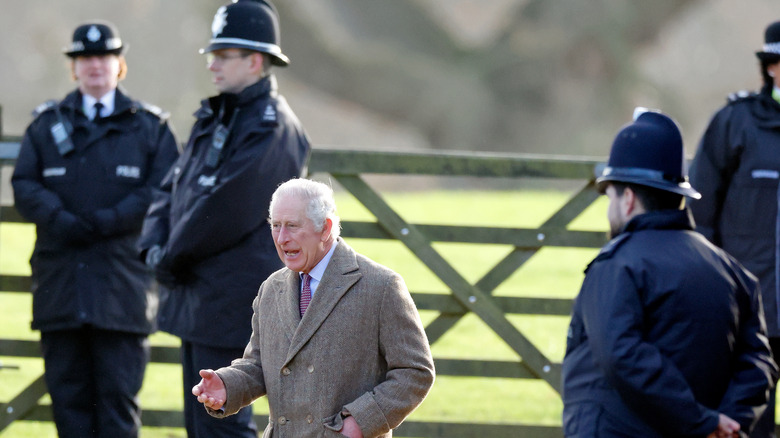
<point>320,204</point>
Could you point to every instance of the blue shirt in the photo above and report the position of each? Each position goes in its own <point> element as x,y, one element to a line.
<point>319,270</point>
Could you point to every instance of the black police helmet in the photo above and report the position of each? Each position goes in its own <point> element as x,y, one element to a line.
<point>95,38</point>
<point>247,24</point>
<point>771,50</point>
<point>649,152</point>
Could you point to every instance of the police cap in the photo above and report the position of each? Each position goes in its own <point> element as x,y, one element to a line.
<point>95,38</point>
<point>771,50</point>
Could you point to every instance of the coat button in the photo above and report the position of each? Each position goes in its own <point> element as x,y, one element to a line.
<point>310,419</point>
<point>311,369</point>
<point>286,371</point>
<point>282,420</point>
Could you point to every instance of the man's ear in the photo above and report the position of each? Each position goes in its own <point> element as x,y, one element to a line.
<point>257,63</point>
<point>326,229</point>
<point>628,202</point>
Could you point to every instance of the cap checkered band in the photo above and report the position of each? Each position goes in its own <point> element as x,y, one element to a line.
<point>113,43</point>
<point>772,48</point>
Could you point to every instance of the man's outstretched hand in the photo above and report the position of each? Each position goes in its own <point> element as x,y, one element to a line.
<point>210,391</point>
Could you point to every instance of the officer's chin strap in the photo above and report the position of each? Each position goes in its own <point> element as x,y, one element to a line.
<point>221,134</point>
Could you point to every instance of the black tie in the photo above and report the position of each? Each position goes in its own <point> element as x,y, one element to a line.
<point>98,106</point>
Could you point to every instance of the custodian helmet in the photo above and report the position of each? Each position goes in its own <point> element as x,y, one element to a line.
<point>247,24</point>
<point>649,152</point>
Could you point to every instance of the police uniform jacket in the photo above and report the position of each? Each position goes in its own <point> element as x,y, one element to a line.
<point>211,219</point>
<point>737,170</point>
<point>88,205</point>
<point>359,348</point>
<point>666,332</point>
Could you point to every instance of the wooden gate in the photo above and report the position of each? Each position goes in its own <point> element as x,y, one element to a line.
<point>349,167</point>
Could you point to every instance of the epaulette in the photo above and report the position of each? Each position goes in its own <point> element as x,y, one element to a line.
<point>154,109</point>
<point>45,106</point>
<point>270,115</point>
<point>608,250</point>
<point>741,94</point>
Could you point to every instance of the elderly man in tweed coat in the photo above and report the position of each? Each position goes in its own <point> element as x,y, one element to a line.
<point>355,362</point>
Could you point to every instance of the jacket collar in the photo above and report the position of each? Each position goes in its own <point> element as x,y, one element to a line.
<point>73,101</point>
<point>264,88</point>
<point>661,220</point>
<point>655,220</point>
<point>767,109</point>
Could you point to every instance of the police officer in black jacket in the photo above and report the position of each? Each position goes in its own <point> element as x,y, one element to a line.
<point>207,235</point>
<point>737,170</point>
<point>667,335</point>
<point>85,175</point>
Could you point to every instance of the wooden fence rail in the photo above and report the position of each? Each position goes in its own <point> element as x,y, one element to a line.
<point>348,168</point>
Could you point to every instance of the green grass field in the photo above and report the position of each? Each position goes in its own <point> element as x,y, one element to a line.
<point>553,272</point>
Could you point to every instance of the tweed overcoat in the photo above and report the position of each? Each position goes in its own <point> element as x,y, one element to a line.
<point>360,348</point>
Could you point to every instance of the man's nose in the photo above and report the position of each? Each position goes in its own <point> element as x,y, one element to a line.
<point>281,236</point>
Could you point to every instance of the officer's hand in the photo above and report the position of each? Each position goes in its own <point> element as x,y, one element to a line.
<point>727,428</point>
<point>211,390</point>
<point>153,256</point>
<point>71,229</point>
<point>161,270</point>
<point>104,220</point>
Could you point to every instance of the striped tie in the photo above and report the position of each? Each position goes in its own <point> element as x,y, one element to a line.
<point>305,294</point>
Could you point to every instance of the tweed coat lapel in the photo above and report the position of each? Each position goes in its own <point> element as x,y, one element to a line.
<point>289,314</point>
<point>341,273</point>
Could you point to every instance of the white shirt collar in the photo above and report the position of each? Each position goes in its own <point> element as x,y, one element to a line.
<point>319,270</point>
<point>107,100</point>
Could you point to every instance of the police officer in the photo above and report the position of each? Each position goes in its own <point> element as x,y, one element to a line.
<point>667,335</point>
<point>737,170</point>
<point>207,236</point>
<point>86,171</point>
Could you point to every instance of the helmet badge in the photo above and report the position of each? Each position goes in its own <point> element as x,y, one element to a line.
<point>220,20</point>
<point>93,34</point>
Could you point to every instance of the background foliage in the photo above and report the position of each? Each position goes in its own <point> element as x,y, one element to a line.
<point>551,76</point>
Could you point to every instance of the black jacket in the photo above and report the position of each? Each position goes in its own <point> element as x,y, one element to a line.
<point>88,205</point>
<point>211,219</point>
<point>737,170</point>
<point>666,332</point>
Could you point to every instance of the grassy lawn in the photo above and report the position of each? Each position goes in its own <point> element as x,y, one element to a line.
<point>553,272</point>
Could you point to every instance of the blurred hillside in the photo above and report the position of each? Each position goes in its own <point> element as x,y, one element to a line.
<point>554,76</point>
